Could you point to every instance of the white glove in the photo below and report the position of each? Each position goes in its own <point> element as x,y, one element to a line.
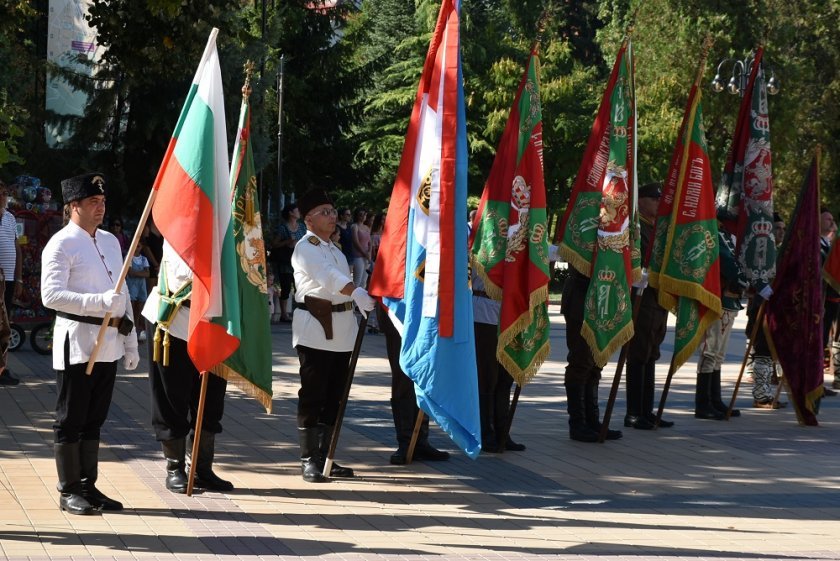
<point>363,300</point>
<point>766,292</point>
<point>642,283</point>
<point>114,302</point>
<point>131,358</point>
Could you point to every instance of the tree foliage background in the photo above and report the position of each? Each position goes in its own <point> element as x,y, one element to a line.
<point>351,74</point>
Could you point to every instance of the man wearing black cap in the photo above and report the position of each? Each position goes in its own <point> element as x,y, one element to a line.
<point>649,327</point>
<point>323,331</point>
<point>79,268</point>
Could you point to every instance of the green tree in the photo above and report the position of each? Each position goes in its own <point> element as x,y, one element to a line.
<point>18,62</point>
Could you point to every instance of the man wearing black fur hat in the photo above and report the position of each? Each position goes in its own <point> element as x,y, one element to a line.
<point>79,268</point>
<point>649,327</point>
<point>323,331</point>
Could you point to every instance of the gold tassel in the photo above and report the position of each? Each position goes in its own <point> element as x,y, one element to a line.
<point>156,346</point>
<point>166,349</point>
<point>249,208</point>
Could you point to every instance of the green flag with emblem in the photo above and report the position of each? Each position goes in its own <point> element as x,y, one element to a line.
<point>599,225</point>
<point>685,263</point>
<point>249,367</point>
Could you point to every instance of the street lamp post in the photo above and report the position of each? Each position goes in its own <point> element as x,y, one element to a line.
<point>280,70</point>
<point>740,75</point>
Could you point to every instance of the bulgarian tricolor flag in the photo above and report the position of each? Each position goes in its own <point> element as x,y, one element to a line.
<point>599,223</point>
<point>685,263</point>
<point>508,242</point>
<point>192,210</point>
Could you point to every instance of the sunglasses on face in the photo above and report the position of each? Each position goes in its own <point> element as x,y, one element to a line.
<point>325,212</point>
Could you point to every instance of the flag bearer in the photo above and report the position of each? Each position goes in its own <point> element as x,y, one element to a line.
<point>79,267</point>
<point>176,382</point>
<point>323,331</point>
<point>649,328</point>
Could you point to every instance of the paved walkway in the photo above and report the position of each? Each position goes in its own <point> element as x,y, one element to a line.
<point>756,487</point>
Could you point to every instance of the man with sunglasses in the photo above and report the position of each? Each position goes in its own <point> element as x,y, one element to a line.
<point>79,268</point>
<point>323,331</point>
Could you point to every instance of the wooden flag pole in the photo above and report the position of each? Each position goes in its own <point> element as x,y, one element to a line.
<point>665,390</point>
<point>415,434</point>
<point>123,273</point>
<point>759,319</point>
<point>342,405</point>
<point>619,370</point>
<point>199,419</point>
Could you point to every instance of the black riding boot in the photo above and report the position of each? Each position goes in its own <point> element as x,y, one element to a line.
<point>501,417</point>
<point>324,437</point>
<point>635,416</point>
<point>205,478</point>
<point>89,458</point>
<point>69,468</point>
<point>310,455</point>
<point>175,451</point>
<point>717,402</point>
<point>703,408</point>
<point>648,388</point>
<point>579,429</point>
<point>403,412</point>
<point>593,413</point>
<point>488,435</point>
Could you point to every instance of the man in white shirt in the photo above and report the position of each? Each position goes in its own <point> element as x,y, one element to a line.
<point>10,266</point>
<point>323,332</point>
<point>176,382</point>
<point>79,268</point>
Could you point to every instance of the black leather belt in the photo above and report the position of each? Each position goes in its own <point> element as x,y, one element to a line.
<point>113,322</point>
<point>480,294</point>
<point>345,307</point>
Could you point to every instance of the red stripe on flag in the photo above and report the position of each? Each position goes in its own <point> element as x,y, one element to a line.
<point>449,150</point>
<point>184,215</point>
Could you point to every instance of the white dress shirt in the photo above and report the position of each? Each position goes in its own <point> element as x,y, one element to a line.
<point>321,270</point>
<point>485,309</point>
<point>76,269</point>
<point>178,274</point>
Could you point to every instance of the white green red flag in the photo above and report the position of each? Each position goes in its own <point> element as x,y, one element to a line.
<point>685,261</point>
<point>192,210</point>
<point>745,195</point>
<point>509,244</point>
<point>249,367</point>
<point>599,224</point>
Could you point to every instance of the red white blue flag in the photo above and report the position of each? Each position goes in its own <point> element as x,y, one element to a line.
<point>421,271</point>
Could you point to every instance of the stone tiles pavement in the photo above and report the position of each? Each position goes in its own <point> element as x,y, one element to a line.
<point>758,487</point>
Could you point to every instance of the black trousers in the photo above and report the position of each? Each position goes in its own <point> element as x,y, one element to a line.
<point>175,391</point>
<point>83,401</point>
<point>650,329</point>
<point>402,387</point>
<point>582,368</point>
<point>493,379</point>
<point>323,375</point>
